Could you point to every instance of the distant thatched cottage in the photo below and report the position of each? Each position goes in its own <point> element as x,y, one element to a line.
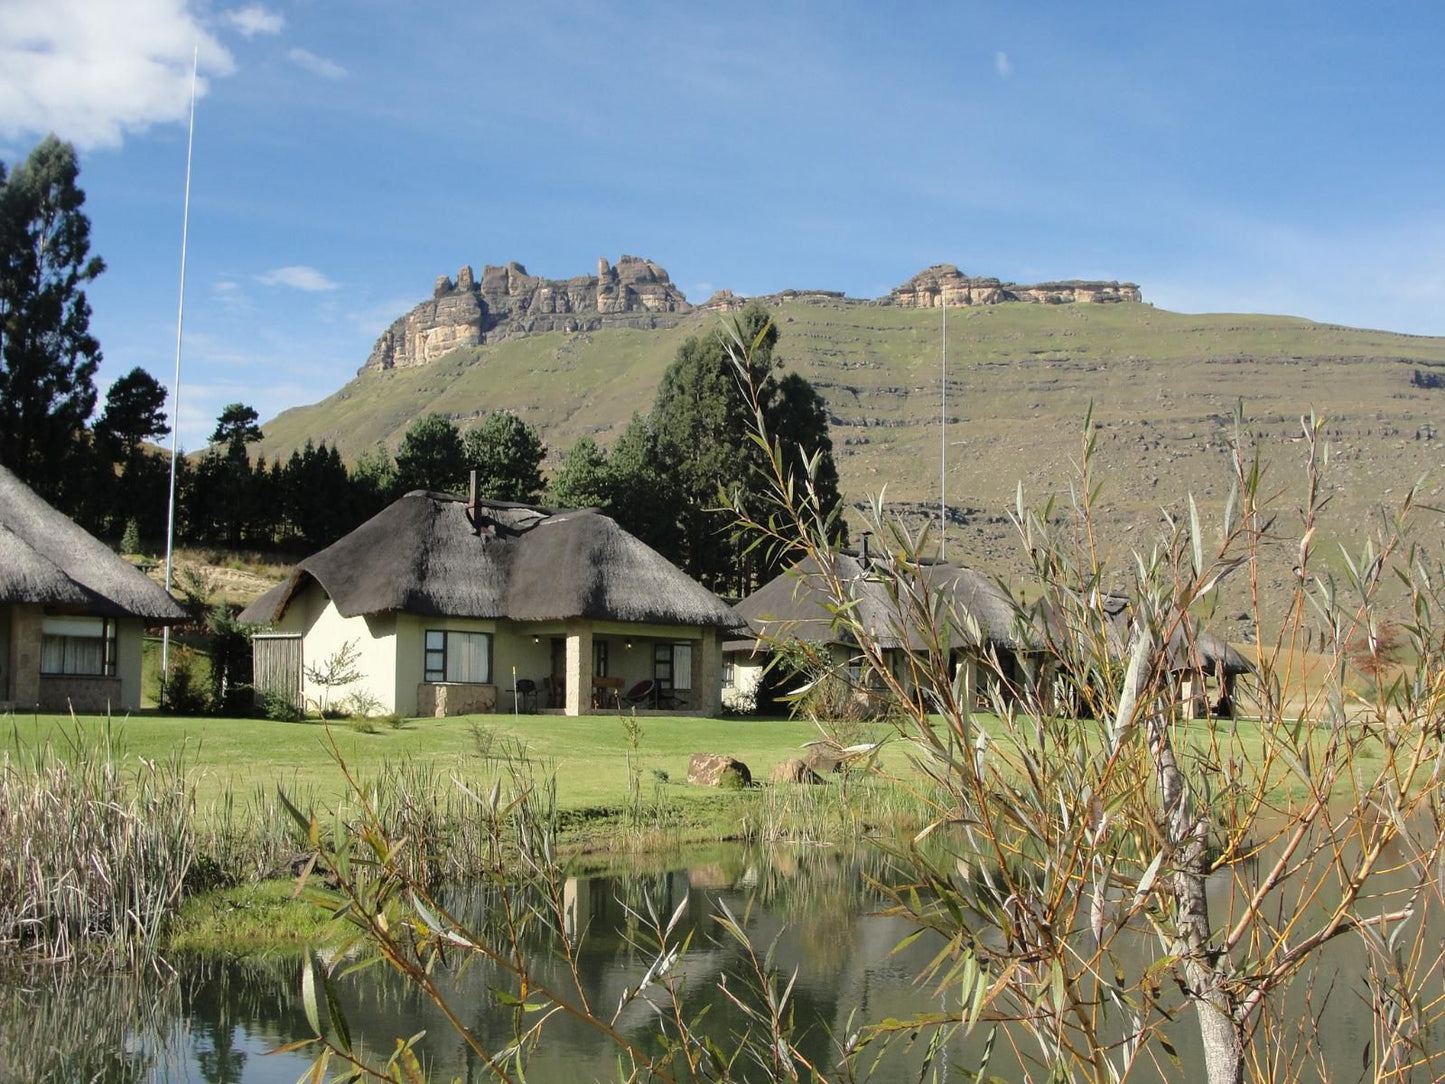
<point>452,604</point>
<point>797,606</point>
<point>72,613</point>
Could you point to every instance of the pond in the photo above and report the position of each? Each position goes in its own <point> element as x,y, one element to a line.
<point>216,1020</point>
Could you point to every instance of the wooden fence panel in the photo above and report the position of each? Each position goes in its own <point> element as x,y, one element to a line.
<point>277,660</point>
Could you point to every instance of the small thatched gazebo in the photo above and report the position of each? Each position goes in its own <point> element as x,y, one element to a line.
<point>72,613</point>
<point>448,603</point>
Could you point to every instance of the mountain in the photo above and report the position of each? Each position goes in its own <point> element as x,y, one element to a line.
<point>1025,366</point>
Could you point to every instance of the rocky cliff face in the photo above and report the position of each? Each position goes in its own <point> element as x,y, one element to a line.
<point>944,284</point>
<point>508,301</point>
<point>638,293</point>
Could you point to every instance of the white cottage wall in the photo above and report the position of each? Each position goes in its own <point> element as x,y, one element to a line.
<point>324,631</point>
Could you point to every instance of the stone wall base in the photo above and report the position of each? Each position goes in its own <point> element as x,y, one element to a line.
<point>74,693</point>
<point>442,699</point>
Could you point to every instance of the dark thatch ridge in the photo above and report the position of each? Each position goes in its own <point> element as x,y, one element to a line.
<point>422,555</point>
<point>47,559</point>
<point>795,605</point>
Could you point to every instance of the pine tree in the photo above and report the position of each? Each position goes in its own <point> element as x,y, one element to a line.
<point>48,357</point>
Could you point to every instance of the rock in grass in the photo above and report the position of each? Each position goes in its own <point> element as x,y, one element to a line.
<point>716,770</point>
<point>795,771</point>
<point>824,758</point>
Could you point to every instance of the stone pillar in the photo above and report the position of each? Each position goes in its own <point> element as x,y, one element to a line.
<point>707,673</point>
<point>579,669</point>
<point>25,655</point>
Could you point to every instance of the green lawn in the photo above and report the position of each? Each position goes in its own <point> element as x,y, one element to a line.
<point>589,753</point>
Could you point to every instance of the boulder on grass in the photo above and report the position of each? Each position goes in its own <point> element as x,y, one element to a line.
<point>825,758</point>
<point>716,770</point>
<point>795,771</point>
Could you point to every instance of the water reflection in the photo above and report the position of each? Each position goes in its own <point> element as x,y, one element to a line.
<point>215,1020</point>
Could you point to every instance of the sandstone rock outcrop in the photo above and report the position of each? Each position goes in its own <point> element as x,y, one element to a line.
<point>944,284</point>
<point>508,301</point>
<point>637,293</point>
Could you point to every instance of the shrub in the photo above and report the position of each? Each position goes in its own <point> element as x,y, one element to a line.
<point>281,708</point>
<point>183,694</point>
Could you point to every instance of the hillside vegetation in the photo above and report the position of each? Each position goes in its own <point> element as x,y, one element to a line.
<point>1021,378</point>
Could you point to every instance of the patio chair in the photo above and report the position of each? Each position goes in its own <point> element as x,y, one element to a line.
<point>526,693</point>
<point>639,693</point>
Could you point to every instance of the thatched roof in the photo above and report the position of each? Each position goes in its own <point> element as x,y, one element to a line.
<point>1194,646</point>
<point>795,605</point>
<point>422,555</point>
<point>46,559</point>
<point>1191,645</point>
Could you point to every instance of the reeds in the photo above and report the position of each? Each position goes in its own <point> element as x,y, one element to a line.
<point>91,854</point>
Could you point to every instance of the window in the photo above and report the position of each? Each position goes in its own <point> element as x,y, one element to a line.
<point>599,658</point>
<point>80,646</point>
<point>672,666</point>
<point>729,674</point>
<point>461,657</point>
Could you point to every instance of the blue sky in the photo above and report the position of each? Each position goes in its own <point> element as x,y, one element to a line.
<point>1280,157</point>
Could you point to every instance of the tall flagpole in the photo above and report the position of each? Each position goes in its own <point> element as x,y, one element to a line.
<point>176,382</point>
<point>943,439</point>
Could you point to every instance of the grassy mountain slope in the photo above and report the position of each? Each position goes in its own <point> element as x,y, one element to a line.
<point>1021,377</point>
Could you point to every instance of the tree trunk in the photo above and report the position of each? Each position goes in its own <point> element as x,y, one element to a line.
<point>1188,836</point>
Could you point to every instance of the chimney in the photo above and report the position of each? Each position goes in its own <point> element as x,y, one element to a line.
<point>866,561</point>
<point>472,503</point>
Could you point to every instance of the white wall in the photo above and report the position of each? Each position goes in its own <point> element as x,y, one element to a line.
<point>324,631</point>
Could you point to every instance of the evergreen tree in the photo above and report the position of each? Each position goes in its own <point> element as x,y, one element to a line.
<point>507,455</point>
<point>645,498</point>
<point>48,357</point>
<point>236,427</point>
<point>132,484</point>
<point>133,413</point>
<point>374,485</point>
<point>584,480</point>
<point>228,495</point>
<point>702,422</point>
<point>317,492</point>
<point>431,456</point>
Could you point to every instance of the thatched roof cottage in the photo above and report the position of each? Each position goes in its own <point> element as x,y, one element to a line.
<point>797,606</point>
<point>448,603</point>
<point>72,613</point>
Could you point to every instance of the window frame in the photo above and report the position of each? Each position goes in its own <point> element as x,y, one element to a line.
<point>109,646</point>
<point>436,657</point>
<point>664,655</point>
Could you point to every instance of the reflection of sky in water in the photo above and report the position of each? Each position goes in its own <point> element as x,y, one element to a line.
<point>216,1021</point>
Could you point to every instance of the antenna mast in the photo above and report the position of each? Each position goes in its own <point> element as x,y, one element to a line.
<point>943,439</point>
<point>176,383</point>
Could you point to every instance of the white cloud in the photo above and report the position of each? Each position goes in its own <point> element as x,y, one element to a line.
<point>298,277</point>
<point>316,65</point>
<point>254,19</point>
<point>93,71</point>
<point>1003,65</point>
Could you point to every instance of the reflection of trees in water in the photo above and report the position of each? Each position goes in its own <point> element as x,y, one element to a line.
<point>222,999</point>
<point>65,1024</point>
